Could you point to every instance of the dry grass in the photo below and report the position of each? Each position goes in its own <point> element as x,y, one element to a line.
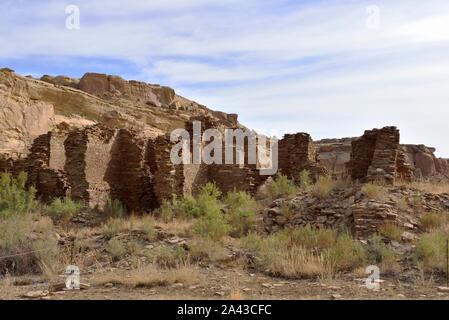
<point>297,262</point>
<point>7,288</point>
<point>150,276</point>
<point>181,228</point>
<point>305,253</point>
<point>375,191</point>
<point>115,226</point>
<point>434,220</point>
<point>323,187</point>
<point>431,250</point>
<point>429,187</point>
<point>391,230</point>
<point>206,249</point>
<point>28,233</point>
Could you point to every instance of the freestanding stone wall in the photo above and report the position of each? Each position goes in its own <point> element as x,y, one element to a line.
<point>376,156</point>
<point>297,153</point>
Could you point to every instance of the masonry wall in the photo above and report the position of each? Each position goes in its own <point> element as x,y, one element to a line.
<point>297,153</point>
<point>377,156</point>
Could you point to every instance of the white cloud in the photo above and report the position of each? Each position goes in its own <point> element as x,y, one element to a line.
<point>312,67</point>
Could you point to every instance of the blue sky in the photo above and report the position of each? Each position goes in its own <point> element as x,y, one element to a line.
<point>283,66</point>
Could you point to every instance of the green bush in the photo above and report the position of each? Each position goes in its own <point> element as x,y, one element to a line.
<point>185,208</point>
<point>305,181</point>
<point>431,250</point>
<point>346,254</point>
<point>116,248</point>
<point>241,213</point>
<point>15,199</point>
<point>63,209</point>
<point>212,225</point>
<point>381,254</point>
<point>114,209</point>
<point>280,186</point>
<point>24,234</point>
<point>312,238</point>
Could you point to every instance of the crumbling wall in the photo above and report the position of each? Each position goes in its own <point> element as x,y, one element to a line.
<point>297,153</point>
<point>88,153</point>
<point>168,178</point>
<point>375,155</point>
<point>129,173</point>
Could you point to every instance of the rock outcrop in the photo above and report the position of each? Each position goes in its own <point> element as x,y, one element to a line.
<point>424,163</point>
<point>349,209</point>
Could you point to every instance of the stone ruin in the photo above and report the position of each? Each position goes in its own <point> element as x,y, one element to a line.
<point>297,153</point>
<point>97,163</point>
<point>376,156</point>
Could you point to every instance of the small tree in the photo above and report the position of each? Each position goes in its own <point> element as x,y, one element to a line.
<point>15,198</point>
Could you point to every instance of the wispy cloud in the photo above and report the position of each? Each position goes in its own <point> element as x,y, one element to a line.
<point>284,65</point>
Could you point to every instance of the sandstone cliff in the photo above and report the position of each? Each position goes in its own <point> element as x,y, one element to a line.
<point>31,107</point>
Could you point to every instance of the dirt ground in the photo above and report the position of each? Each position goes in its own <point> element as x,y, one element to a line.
<point>234,284</point>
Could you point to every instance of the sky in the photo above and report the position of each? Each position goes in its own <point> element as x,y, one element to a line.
<point>332,68</point>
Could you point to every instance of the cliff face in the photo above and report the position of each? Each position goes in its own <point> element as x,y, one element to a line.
<point>424,163</point>
<point>31,107</point>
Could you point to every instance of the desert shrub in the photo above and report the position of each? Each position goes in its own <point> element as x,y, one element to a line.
<point>166,212</point>
<point>280,186</point>
<point>148,228</point>
<point>188,208</point>
<point>208,250</point>
<point>135,247</point>
<point>305,252</point>
<point>113,227</point>
<point>168,256</point>
<point>322,187</point>
<point>391,230</point>
<point>431,250</point>
<point>433,220</point>
<point>184,208</point>
<point>312,238</point>
<point>241,213</point>
<point>305,181</point>
<point>63,209</point>
<point>15,198</point>
<point>381,254</point>
<point>212,225</point>
<point>346,254</point>
<point>114,208</point>
<point>32,235</point>
<point>296,262</point>
<point>150,276</point>
<point>116,248</point>
<point>279,257</point>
